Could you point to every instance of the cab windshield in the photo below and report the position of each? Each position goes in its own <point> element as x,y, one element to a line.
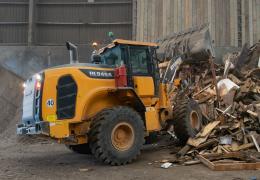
<point>138,57</point>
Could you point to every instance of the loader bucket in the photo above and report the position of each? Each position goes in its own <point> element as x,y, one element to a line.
<point>194,44</point>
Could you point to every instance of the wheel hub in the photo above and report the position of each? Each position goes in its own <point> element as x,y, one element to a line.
<point>194,120</point>
<point>122,136</point>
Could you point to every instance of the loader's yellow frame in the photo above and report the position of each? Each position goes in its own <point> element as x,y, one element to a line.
<point>95,94</point>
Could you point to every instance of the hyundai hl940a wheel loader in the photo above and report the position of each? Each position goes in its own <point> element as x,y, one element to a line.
<point>106,108</point>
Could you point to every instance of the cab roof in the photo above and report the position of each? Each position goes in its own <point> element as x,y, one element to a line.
<point>137,43</point>
<point>127,42</point>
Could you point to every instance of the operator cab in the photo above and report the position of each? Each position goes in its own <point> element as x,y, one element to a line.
<point>139,60</point>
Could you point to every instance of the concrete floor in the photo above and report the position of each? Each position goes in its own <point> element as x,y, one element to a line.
<point>54,161</point>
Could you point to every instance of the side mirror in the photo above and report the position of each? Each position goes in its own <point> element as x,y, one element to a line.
<point>73,50</point>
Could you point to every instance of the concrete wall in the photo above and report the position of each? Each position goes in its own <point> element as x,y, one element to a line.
<point>25,61</point>
<point>232,22</point>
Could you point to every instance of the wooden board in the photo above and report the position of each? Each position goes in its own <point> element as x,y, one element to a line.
<point>228,166</point>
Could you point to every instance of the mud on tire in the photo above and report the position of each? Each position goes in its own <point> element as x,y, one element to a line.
<point>105,130</point>
<point>187,119</point>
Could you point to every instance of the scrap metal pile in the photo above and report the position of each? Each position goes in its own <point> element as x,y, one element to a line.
<point>229,99</point>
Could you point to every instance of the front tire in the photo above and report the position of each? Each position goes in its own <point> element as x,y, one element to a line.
<point>187,118</point>
<point>117,135</point>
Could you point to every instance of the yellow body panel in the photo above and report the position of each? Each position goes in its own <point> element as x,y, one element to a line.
<point>90,90</point>
<point>152,119</point>
<point>144,86</point>
<point>164,101</point>
<point>59,129</point>
<point>149,101</point>
<point>91,98</point>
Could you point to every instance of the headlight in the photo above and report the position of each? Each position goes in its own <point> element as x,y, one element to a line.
<point>24,85</point>
<point>38,77</point>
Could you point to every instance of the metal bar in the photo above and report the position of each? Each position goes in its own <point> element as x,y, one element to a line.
<point>226,113</point>
<point>239,23</point>
<point>13,44</point>
<point>81,23</point>
<point>62,44</point>
<point>134,19</point>
<point>31,22</point>
<point>13,23</point>
<point>255,142</point>
<point>110,23</point>
<point>250,23</point>
<point>14,3</point>
<point>83,3</point>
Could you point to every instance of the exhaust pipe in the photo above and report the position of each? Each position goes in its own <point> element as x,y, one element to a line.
<point>73,50</point>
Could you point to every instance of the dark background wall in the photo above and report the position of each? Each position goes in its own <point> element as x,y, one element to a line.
<point>52,22</point>
<point>33,32</point>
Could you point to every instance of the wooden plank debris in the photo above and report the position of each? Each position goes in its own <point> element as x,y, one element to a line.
<point>229,166</point>
<point>232,120</point>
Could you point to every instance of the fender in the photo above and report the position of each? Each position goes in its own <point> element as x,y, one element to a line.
<point>102,98</point>
<point>96,100</point>
<point>137,103</point>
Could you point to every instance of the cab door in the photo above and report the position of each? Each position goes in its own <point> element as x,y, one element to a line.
<point>140,72</point>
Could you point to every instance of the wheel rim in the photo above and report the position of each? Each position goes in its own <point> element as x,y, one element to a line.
<point>194,120</point>
<point>122,136</point>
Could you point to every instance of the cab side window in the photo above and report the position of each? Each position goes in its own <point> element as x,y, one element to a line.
<point>139,60</point>
<point>112,56</point>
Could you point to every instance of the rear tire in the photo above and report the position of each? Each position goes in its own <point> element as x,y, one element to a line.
<point>187,119</point>
<point>117,135</point>
<point>80,148</point>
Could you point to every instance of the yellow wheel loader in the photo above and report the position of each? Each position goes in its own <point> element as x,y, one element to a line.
<point>108,107</point>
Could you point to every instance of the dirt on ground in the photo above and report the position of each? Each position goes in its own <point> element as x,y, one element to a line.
<point>11,91</point>
<point>37,159</point>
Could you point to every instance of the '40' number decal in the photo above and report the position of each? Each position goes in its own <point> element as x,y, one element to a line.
<point>50,103</point>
